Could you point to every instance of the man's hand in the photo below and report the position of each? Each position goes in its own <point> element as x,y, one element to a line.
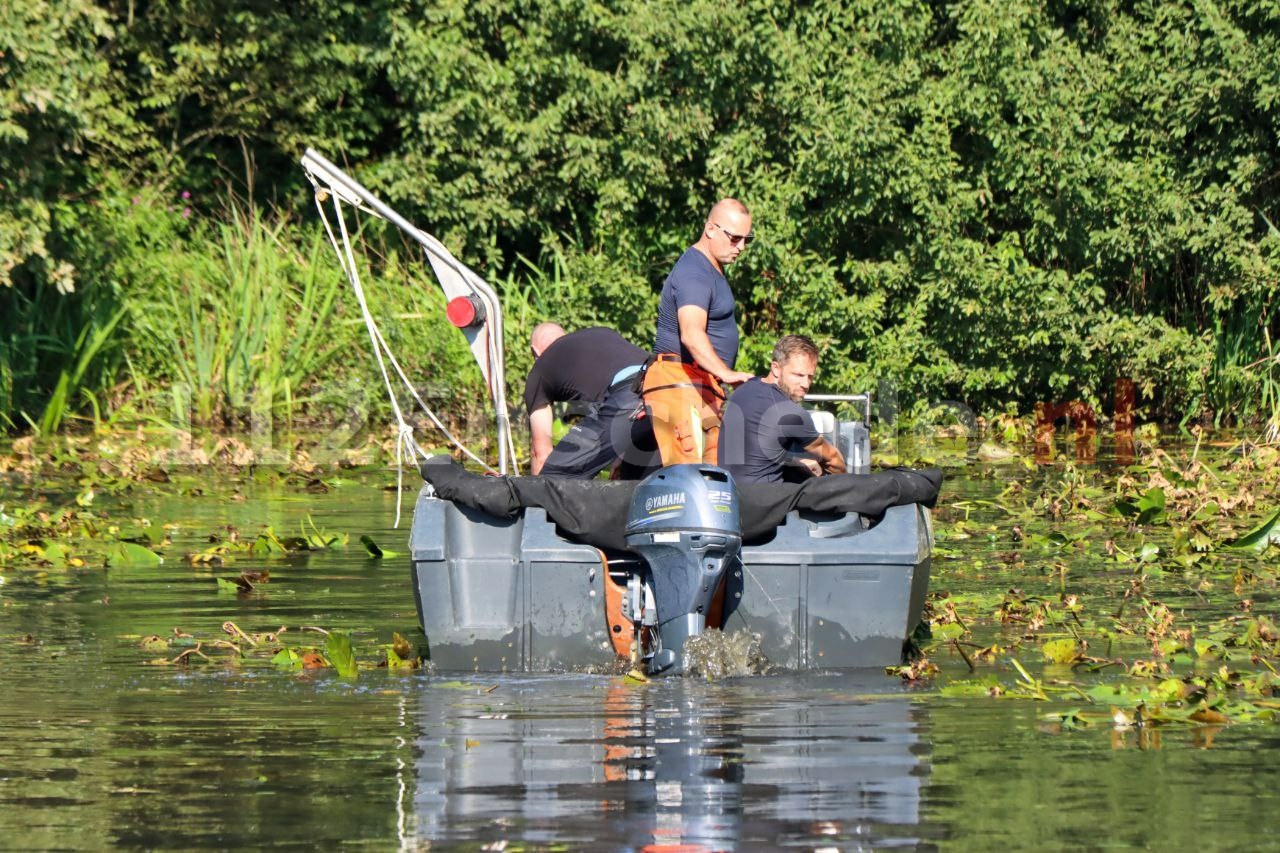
<point>812,464</point>
<point>736,377</point>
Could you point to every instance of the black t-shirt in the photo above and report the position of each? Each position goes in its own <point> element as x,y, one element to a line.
<point>579,366</point>
<point>762,429</point>
<point>695,281</point>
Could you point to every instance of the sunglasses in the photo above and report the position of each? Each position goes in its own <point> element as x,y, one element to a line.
<point>735,239</point>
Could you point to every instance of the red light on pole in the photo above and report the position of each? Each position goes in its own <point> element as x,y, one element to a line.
<point>465,311</point>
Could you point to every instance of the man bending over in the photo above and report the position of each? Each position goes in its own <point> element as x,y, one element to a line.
<point>596,367</point>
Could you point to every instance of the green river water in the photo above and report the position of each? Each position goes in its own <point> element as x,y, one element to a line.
<point>102,747</point>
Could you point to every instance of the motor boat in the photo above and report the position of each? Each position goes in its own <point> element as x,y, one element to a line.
<point>518,573</point>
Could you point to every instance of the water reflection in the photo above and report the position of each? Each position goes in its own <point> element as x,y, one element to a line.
<point>808,760</point>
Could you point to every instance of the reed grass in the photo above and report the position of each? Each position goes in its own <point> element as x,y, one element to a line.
<point>1269,379</point>
<point>241,317</point>
<point>54,346</point>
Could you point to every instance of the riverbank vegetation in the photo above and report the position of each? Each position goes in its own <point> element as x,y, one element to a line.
<point>987,202</point>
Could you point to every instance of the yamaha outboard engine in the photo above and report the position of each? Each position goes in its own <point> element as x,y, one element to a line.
<point>684,523</point>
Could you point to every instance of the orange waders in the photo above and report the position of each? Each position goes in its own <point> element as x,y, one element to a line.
<point>684,403</point>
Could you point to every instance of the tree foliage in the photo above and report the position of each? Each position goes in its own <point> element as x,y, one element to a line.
<point>985,201</point>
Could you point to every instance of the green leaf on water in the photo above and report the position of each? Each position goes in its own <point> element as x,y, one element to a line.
<point>970,687</point>
<point>375,550</point>
<point>1169,690</point>
<point>320,540</point>
<point>287,659</point>
<point>56,555</point>
<point>338,650</point>
<point>136,534</point>
<point>1265,534</point>
<point>1069,720</point>
<point>267,543</point>
<point>1112,694</point>
<point>1061,651</point>
<point>129,554</point>
<point>1207,648</point>
<point>154,643</point>
<point>395,661</point>
<point>1151,506</point>
<point>225,585</point>
<point>950,631</point>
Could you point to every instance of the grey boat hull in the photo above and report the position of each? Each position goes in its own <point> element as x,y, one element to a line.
<point>511,595</point>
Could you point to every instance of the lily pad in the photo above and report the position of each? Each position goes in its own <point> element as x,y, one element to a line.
<point>1151,506</point>
<point>1064,650</point>
<point>1113,694</point>
<point>951,631</point>
<point>131,554</point>
<point>227,585</point>
<point>56,555</point>
<point>970,687</point>
<point>267,543</point>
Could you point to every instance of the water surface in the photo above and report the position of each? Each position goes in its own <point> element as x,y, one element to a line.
<point>101,747</point>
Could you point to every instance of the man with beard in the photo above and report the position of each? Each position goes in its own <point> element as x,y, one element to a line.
<point>766,436</point>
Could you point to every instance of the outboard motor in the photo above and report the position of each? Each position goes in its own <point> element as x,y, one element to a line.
<point>684,523</point>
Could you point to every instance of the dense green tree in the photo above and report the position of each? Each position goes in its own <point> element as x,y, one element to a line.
<point>995,202</point>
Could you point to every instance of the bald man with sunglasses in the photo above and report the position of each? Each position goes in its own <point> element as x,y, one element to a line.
<point>697,342</point>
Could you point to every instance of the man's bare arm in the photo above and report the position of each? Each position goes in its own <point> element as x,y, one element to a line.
<point>826,455</point>
<point>693,334</point>
<point>540,422</point>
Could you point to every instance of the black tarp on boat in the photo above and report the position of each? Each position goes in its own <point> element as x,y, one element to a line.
<point>595,511</point>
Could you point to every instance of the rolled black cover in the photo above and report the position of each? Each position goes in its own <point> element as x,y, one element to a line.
<point>595,511</point>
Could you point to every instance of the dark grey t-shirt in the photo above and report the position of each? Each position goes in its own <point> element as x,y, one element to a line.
<point>762,430</point>
<point>695,281</point>
<point>579,366</point>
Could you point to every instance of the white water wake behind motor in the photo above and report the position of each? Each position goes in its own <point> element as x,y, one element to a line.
<point>684,523</point>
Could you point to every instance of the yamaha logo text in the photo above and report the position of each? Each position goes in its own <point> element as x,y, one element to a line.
<point>662,503</point>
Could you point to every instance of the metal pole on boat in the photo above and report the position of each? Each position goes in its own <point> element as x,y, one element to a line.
<point>853,439</point>
<point>864,399</point>
<point>352,192</point>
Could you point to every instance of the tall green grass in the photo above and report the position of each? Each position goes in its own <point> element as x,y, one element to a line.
<point>56,346</point>
<point>1267,370</point>
<point>238,316</point>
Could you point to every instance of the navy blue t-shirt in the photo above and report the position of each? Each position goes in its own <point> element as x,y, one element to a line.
<point>762,430</point>
<point>695,281</point>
